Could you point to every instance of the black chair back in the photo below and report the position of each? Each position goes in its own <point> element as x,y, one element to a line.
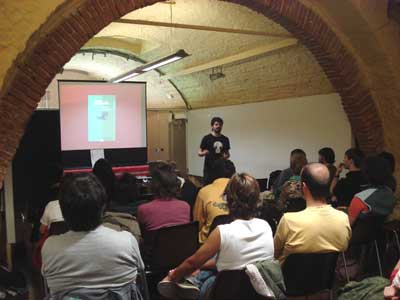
<point>172,245</point>
<point>233,285</point>
<point>366,229</point>
<point>309,273</point>
<point>57,228</point>
<point>220,220</point>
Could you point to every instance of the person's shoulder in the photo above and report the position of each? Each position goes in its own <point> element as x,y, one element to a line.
<point>208,136</point>
<point>115,236</point>
<point>293,216</point>
<point>53,204</point>
<point>145,206</point>
<point>224,137</point>
<point>336,213</point>
<point>180,202</point>
<point>205,189</point>
<point>287,172</point>
<point>260,222</point>
<point>55,242</point>
<point>355,176</point>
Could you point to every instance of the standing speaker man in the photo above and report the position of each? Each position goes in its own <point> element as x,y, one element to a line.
<point>213,146</point>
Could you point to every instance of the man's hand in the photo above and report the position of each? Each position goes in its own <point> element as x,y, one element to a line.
<point>339,169</point>
<point>226,154</point>
<point>390,292</point>
<point>203,152</point>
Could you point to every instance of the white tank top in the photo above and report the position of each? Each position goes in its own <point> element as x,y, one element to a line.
<point>244,242</point>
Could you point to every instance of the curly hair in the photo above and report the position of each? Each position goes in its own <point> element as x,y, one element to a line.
<point>242,195</point>
<point>297,162</point>
<point>164,183</point>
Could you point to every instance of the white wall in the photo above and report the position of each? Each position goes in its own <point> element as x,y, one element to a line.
<point>263,134</point>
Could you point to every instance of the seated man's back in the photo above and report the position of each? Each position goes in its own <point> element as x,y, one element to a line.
<point>210,202</point>
<point>89,256</point>
<point>96,259</point>
<point>315,229</point>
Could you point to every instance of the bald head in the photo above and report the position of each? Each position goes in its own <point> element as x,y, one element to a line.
<point>316,177</point>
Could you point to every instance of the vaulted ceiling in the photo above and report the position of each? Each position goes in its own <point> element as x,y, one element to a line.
<point>258,58</point>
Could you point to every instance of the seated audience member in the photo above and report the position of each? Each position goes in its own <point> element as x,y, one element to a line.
<point>209,201</point>
<point>318,228</point>
<point>187,190</point>
<point>269,209</point>
<point>52,212</point>
<point>389,157</point>
<point>268,195</point>
<point>165,209</point>
<point>103,171</point>
<point>120,214</point>
<point>344,189</point>
<point>285,175</point>
<point>291,196</point>
<point>90,258</point>
<point>233,246</point>
<point>326,156</point>
<point>127,195</point>
<point>378,199</point>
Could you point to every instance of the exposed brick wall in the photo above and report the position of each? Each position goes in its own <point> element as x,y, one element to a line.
<point>337,62</point>
<point>75,22</point>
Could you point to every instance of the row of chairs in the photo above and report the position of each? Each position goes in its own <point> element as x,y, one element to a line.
<point>304,275</point>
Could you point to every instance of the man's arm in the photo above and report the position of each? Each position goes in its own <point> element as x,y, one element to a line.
<point>336,178</point>
<point>197,260</point>
<point>226,154</point>
<point>355,209</point>
<point>203,152</point>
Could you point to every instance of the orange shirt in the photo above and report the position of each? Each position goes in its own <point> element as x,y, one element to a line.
<point>357,206</point>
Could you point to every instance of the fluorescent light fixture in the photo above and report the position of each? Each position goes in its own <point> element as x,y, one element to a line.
<point>164,61</point>
<point>124,77</point>
<point>151,66</point>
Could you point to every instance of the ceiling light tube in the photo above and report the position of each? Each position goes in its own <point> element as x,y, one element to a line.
<point>164,61</point>
<point>124,76</point>
<point>151,66</point>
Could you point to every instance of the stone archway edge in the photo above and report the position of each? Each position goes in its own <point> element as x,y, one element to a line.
<point>73,23</point>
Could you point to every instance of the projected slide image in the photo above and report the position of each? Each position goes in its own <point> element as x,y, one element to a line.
<point>101,118</point>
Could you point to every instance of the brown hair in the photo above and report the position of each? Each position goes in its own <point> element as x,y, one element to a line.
<point>297,162</point>
<point>242,194</point>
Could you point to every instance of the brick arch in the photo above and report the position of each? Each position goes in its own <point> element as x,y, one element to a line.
<point>69,27</point>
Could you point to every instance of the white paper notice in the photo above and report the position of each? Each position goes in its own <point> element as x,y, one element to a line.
<point>96,154</point>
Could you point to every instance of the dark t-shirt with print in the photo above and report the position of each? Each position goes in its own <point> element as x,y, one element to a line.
<point>216,145</point>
